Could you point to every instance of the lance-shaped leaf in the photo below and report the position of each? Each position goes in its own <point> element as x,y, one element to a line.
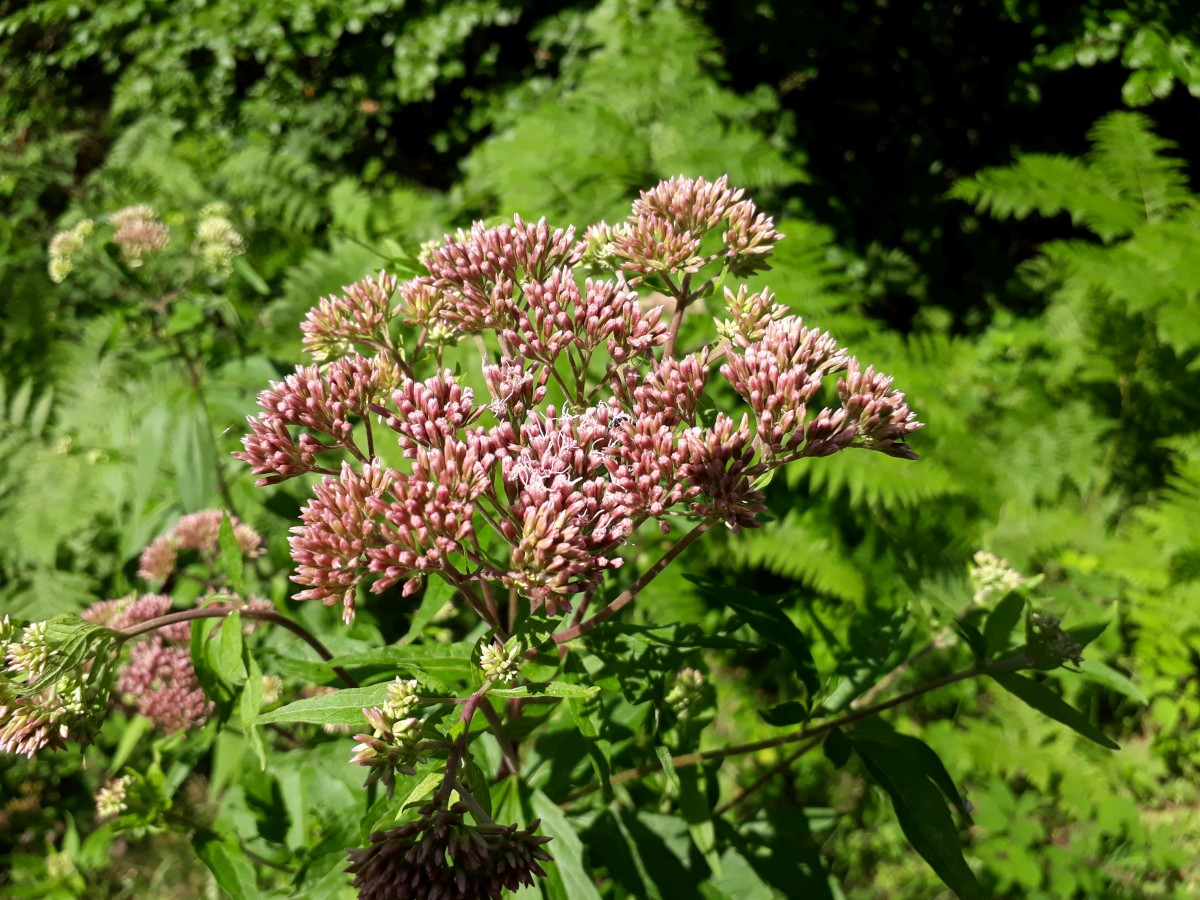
<point>1037,695</point>
<point>922,812</point>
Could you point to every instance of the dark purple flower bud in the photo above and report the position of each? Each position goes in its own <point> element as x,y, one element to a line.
<point>441,857</point>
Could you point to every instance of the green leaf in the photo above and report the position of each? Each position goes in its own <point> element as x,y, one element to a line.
<point>668,765</point>
<point>342,707</point>
<point>547,689</point>
<point>765,617</point>
<point>232,562</point>
<point>919,755</point>
<point>215,688</point>
<point>248,272</point>
<point>697,812</point>
<point>75,641</point>
<point>878,642</point>
<point>251,703</point>
<point>1103,674</point>
<point>587,713</point>
<point>227,650</point>
<point>566,848</point>
<point>437,594</point>
<point>837,748</point>
<point>134,730</point>
<point>783,714</point>
<point>229,865</point>
<point>924,817</point>
<point>1045,701</point>
<point>451,662</point>
<point>1001,622</point>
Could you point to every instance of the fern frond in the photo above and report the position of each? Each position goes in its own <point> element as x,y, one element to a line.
<point>1129,154</point>
<point>1049,185</point>
<point>283,186</point>
<point>800,548</point>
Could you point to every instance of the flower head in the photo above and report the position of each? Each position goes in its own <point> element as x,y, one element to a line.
<point>440,855</point>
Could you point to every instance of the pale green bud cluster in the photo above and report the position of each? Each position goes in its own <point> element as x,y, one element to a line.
<point>64,246</point>
<point>500,663</point>
<point>401,698</point>
<point>990,575</point>
<point>272,690</point>
<point>687,694</point>
<point>217,241</point>
<point>110,799</point>
<point>394,747</point>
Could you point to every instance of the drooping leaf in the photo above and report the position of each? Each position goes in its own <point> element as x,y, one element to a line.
<point>1037,695</point>
<point>923,815</point>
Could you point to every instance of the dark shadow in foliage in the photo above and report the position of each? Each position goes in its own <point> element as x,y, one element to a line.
<point>616,843</point>
<point>631,652</point>
<point>783,851</point>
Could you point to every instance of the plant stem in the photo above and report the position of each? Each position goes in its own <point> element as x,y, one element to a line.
<point>634,589</point>
<point>294,627</point>
<point>805,734</point>
<point>459,748</point>
<point>766,777</point>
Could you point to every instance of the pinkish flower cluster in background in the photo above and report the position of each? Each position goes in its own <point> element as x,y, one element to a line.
<point>584,422</point>
<point>159,679</point>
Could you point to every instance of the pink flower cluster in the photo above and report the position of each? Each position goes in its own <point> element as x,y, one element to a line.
<point>591,424</point>
<point>159,679</point>
<point>197,532</point>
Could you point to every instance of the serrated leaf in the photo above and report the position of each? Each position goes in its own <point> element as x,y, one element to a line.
<point>923,815</point>
<point>547,689</point>
<point>343,707</point>
<point>1039,697</point>
<point>452,662</point>
<point>1001,622</point>
<point>75,641</point>
<point>232,563</point>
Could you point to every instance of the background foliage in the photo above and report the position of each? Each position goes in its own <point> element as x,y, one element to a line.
<point>967,199</point>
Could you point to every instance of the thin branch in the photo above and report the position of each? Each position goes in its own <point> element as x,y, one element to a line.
<point>766,777</point>
<point>634,589</point>
<point>805,734</point>
<point>294,627</point>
